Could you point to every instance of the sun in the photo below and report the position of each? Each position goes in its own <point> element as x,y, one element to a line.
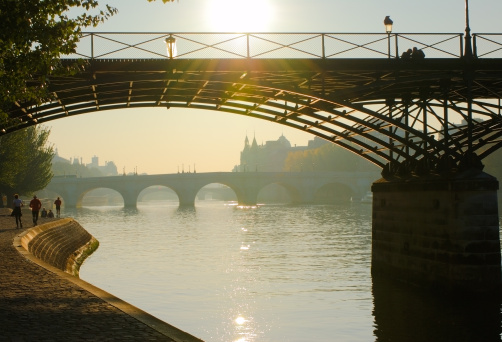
<point>239,15</point>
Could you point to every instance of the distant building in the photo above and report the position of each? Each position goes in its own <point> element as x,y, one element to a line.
<point>270,157</point>
<point>109,169</point>
<point>57,158</point>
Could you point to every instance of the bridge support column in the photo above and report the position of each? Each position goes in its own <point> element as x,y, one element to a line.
<point>441,234</point>
<point>130,197</point>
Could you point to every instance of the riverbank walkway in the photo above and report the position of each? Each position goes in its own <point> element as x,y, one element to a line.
<point>41,303</point>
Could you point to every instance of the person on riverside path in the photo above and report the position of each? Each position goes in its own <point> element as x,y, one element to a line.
<point>58,202</point>
<point>35,206</point>
<point>50,214</point>
<point>17,203</point>
<point>43,213</point>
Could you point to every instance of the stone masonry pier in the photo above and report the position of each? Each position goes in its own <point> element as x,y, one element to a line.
<point>438,233</point>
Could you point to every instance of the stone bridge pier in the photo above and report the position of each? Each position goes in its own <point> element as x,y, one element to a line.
<point>438,233</point>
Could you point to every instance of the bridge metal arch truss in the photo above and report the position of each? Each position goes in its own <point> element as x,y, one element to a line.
<point>392,112</point>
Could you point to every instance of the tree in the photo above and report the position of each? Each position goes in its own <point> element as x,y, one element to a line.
<point>328,157</point>
<point>26,161</point>
<point>33,36</point>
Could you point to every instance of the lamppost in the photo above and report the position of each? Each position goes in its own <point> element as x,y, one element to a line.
<point>171,46</point>
<point>388,28</point>
<point>468,44</point>
<point>468,56</point>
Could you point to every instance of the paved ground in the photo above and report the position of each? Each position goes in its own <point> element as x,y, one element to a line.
<point>39,305</point>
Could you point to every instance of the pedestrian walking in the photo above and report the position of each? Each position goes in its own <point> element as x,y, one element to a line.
<point>17,203</point>
<point>58,203</point>
<point>35,206</point>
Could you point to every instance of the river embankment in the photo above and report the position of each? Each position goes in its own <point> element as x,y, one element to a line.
<point>42,297</point>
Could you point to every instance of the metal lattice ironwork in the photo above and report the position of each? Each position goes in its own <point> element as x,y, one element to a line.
<point>391,111</point>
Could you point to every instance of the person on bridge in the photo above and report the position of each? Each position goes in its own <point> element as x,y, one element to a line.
<point>58,202</point>
<point>35,206</point>
<point>17,203</point>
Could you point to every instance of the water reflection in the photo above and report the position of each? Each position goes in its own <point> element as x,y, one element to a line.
<point>274,273</point>
<point>185,213</point>
<point>404,313</point>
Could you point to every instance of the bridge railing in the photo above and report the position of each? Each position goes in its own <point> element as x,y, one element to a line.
<point>151,45</point>
<point>488,45</point>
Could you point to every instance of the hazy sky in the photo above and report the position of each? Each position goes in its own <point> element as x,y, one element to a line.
<point>160,140</point>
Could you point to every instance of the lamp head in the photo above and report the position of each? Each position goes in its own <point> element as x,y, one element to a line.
<point>388,24</point>
<point>171,46</point>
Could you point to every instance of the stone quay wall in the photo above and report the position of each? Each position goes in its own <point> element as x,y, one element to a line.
<point>438,233</point>
<point>64,244</point>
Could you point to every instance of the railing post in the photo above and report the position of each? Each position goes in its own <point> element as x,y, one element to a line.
<point>388,45</point>
<point>247,41</point>
<point>461,36</point>
<point>397,48</point>
<point>323,47</point>
<point>92,45</point>
<point>474,46</point>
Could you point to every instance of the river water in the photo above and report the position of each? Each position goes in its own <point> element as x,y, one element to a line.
<point>271,273</point>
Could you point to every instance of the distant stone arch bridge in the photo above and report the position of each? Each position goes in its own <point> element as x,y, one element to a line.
<point>301,186</point>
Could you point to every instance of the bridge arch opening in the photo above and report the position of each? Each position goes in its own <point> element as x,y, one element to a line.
<point>100,197</point>
<point>216,192</point>
<point>333,193</point>
<point>157,195</point>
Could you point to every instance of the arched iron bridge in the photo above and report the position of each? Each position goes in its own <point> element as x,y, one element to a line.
<point>356,90</point>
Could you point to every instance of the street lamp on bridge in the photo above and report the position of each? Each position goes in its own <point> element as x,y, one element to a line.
<point>468,55</point>
<point>468,39</point>
<point>171,46</point>
<point>388,28</point>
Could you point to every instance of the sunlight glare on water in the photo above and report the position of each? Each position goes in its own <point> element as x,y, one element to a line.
<point>272,273</point>
<point>222,273</point>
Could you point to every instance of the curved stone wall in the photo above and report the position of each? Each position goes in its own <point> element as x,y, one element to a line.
<point>64,244</point>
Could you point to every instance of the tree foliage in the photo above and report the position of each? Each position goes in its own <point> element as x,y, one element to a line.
<point>26,161</point>
<point>328,157</point>
<point>33,35</point>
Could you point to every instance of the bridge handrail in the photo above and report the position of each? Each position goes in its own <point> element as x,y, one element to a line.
<point>192,45</point>
<point>487,45</point>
